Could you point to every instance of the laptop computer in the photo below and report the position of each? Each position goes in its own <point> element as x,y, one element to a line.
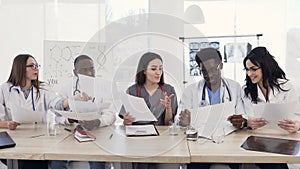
<point>6,141</point>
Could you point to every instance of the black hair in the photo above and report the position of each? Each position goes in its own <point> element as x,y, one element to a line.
<point>271,72</point>
<point>79,58</point>
<point>207,54</point>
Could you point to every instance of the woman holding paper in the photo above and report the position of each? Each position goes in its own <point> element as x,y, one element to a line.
<point>149,84</point>
<point>266,83</point>
<point>24,90</point>
<point>159,97</point>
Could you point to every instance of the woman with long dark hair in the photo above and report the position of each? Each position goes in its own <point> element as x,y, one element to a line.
<point>149,84</point>
<point>266,83</point>
<point>24,89</point>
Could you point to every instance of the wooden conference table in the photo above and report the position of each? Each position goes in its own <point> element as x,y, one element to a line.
<point>119,148</point>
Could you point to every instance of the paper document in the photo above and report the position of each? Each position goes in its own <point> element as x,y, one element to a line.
<point>141,130</point>
<point>137,108</point>
<point>87,84</point>
<point>78,116</point>
<point>211,119</point>
<point>275,112</point>
<point>23,115</point>
<point>87,106</point>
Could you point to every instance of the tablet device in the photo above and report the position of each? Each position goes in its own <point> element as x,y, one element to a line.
<point>272,145</point>
<point>6,141</point>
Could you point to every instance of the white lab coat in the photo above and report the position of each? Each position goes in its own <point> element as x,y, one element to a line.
<point>102,92</point>
<point>192,96</point>
<point>276,97</point>
<point>10,97</point>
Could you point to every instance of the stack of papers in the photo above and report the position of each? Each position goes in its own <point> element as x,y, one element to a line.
<point>83,136</point>
<point>141,130</point>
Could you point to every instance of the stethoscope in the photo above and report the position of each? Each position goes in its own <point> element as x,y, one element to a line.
<point>32,98</point>
<point>76,91</point>
<point>203,100</point>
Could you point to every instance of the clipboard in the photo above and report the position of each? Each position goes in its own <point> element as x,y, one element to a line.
<point>6,141</point>
<point>141,130</point>
<point>272,145</point>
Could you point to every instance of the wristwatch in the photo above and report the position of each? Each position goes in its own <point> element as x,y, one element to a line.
<point>244,124</point>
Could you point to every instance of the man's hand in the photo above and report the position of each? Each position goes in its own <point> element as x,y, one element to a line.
<point>90,124</point>
<point>128,119</point>
<point>184,118</point>
<point>237,121</point>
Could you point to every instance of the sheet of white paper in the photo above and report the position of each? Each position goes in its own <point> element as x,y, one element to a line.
<point>137,108</point>
<point>140,130</point>
<point>210,119</point>
<point>87,85</point>
<point>22,115</point>
<point>78,116</point>
<point>87,106</point>
<point>275,112</point>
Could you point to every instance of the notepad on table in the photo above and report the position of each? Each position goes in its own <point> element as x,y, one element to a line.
<point>141,130</point>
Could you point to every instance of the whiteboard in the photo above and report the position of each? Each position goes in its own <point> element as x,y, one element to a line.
<point>59,59</point>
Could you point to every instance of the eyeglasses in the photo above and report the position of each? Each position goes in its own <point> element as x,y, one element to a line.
<point>34,66</point>
<point>251,69</point>
<point>213,70</point>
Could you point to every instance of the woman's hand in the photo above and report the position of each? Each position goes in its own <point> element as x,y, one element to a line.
<point>167,101</point>
<point>12,125</point>
<point>255,123</point>
<point>289,125</point>
<point>128,119</point>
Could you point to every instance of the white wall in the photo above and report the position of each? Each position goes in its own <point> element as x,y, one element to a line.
<point>24,26</point>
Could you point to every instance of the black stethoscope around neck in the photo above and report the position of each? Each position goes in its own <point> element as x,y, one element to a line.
<point>76,91</point>
<point>204,95</point>
<point>32,98</point>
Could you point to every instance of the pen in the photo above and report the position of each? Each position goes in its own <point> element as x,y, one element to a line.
<point>110,136</point>
<point>37,136</point>
<point>69,130</point>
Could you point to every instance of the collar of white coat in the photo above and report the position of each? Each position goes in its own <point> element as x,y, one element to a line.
<point>224,94</point>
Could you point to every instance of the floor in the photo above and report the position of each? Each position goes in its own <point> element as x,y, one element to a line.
<point>291,166</point>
